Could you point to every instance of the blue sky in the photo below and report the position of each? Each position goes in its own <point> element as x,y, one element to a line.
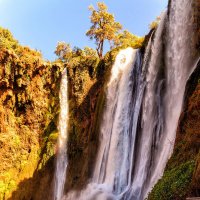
<point>40,24</point>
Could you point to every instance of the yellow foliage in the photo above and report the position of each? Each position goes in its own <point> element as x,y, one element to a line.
<point>155,23</point>
<point>126,39</point>
<point>104,27</point>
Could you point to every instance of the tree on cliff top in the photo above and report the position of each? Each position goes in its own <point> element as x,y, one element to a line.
<point>64,51</point>
<point>104,27</point>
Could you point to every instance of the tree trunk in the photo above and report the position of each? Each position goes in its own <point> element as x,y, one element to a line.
<point>100,49</point>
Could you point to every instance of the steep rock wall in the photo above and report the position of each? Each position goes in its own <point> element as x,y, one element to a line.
<point>29,105</point>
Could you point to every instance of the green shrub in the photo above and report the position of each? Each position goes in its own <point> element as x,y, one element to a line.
<point>174,184</point>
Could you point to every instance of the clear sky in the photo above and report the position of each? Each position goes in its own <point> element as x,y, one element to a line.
<point>40,24</point>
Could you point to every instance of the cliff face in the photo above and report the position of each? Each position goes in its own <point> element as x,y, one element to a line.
<point>29,105</point>
<point>188,133</point>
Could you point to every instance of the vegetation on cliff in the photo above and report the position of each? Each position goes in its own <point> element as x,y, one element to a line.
<point>29,105</point>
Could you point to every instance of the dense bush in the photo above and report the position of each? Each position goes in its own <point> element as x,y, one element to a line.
<point>174,183</point>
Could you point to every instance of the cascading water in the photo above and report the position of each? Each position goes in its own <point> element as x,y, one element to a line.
<point>112,174</point>
<point>61,161</point>
<point>180,61</point>
<point>118,128</point>
<point>151,124</point>
<point>143,105</point>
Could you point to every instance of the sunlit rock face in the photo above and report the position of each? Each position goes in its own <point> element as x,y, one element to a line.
<point>29,102</point>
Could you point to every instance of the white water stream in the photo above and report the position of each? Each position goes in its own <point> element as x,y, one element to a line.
<point>61,159</point>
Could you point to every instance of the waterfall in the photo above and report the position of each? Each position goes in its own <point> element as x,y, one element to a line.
<point>168,69</point>
<point>113,170</point>
<point>151,124</point>
<point>118,130</point>
<point>144,98</point>
<point>61,160</point>
<point>179,61</point>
